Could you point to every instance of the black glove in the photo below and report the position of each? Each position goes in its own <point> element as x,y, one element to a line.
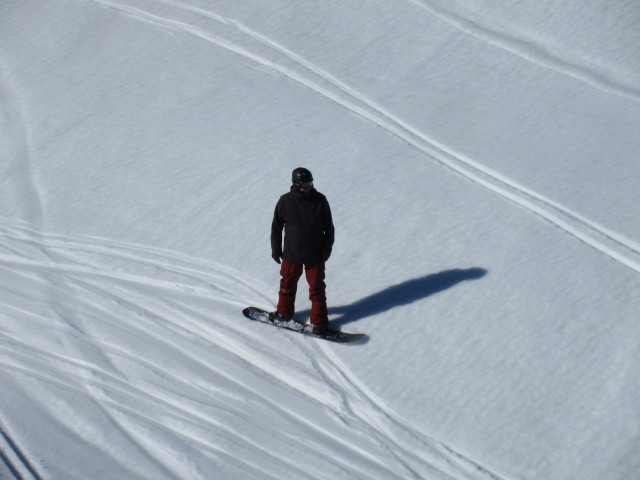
<point>276,257</point>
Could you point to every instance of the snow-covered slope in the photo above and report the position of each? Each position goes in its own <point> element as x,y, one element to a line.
<point>481,164</point>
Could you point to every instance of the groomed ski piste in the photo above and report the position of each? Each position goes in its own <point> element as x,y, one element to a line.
<point>481,162</point>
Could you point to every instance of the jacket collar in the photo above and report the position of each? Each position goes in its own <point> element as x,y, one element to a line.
<point>300,194</point>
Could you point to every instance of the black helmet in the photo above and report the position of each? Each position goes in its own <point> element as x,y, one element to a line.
<point>301,175</point>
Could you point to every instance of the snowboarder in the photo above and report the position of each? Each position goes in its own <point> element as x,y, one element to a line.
<point>305,215</point>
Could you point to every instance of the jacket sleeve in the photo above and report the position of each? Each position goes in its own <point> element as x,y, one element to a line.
<point>329,232</point>
<point>276,230</point>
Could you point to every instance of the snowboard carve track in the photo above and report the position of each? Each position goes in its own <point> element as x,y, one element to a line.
<point>93,284</point>
<point>373,410</point>
<point>185,401</point>
<point>533,52</point>
<point>608,242</point>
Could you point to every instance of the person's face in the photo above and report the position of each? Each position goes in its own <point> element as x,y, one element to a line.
<point>306,187</point>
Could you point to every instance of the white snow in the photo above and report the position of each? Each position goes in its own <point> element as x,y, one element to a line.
<point>481,161</point>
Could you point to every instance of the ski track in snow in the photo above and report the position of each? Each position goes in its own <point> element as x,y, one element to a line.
<point>232,391</point>
<point>297,69</point>
<point>17,464</point>
<point>90,295</point>
<point>537,53</point>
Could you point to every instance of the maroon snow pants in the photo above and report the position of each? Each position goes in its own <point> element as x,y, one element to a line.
<point>291,273</point>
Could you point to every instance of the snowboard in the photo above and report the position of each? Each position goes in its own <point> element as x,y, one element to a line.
<point>254,313</point>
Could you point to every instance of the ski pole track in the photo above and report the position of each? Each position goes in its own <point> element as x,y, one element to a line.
<point>534,52</point>
<point>603,239</point>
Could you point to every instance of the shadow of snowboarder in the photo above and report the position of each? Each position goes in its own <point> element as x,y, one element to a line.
<point>401,294</point>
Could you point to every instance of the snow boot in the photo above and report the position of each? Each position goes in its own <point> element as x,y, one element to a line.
<point>277,316</point>
<point>320,329</point>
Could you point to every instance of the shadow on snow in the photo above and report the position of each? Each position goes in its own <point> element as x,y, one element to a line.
<point>401,294</point>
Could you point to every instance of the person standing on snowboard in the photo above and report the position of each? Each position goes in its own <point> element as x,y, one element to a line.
<point>305,216</point>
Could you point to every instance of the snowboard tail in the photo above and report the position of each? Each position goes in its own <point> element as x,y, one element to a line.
<point>260,315</point>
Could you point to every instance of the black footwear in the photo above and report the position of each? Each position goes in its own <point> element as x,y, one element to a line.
<point>320,329</point>
<point>277,316</point>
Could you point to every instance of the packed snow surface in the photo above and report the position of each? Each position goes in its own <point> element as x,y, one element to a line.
<point>481,162</point>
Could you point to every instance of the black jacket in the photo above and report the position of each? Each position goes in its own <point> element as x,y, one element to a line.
<point>308,228</point>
